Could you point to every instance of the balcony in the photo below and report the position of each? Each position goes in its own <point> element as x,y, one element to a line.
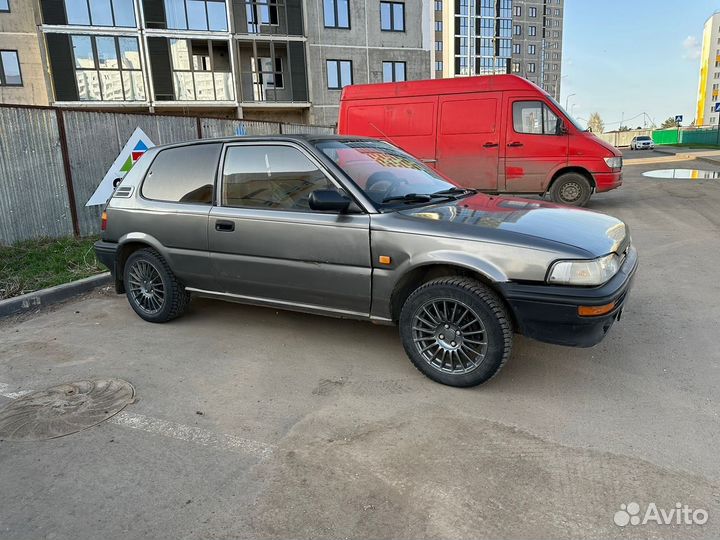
<point>268,17</point>
<point>272,73</point>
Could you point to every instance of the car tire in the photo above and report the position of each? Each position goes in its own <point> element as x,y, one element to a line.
<point>152,289</point>
<point>446,344</point>
<point>572,189</point>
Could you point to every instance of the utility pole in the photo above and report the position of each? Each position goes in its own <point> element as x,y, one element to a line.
<point>568,99</point>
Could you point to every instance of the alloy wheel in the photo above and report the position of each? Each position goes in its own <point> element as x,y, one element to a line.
<point>449,336</point>
<point>146,286</point>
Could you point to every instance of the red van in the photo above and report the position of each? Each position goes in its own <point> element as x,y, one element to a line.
<point>496,133</point>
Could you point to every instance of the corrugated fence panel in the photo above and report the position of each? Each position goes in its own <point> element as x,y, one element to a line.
<point>665,136</point>
<point>34,200</point>
<point>33,194</point>
<point>95,140</point>
<point>700,136</point>
<point>299,129</point>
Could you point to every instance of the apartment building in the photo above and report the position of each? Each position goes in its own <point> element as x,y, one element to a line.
<point>708,104</point>
<point>22,78</point>
<point>486,37</point>
<point>262,59</point>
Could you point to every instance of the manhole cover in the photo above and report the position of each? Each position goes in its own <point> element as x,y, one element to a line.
<point>63,409</point>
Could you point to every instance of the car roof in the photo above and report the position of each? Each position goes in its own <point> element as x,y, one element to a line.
<point>295,137</point>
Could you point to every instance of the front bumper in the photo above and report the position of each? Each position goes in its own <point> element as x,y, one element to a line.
<point>607,181</point>
<point>549,313</point>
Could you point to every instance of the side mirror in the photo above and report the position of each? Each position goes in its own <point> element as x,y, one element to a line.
<point>328,200</point>
<point>562,128</point>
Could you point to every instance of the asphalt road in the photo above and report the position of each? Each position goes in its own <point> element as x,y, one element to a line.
<point>257,423</point>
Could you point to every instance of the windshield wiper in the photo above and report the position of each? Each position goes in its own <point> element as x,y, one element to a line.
<point>451,193</point>
<point>456,191</point>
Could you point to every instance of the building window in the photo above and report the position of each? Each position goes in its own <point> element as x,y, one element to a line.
<point>100,12</point>
<point>336,13</point>
<point>339,73</point>
<point>532,30</point>
<point>517,48</point>
<point>261,13</point>
<point>438,26</point>
<point>196,15</point>
<point>108,68</point>
<point>438,5</point>
<point>392,16</point>
<point>201,70</point>
<point>438,45</point>
<point>269,76</point>
<point>532,12</point>
<point>531,67</point>
<point>516,67</point>
<point>393,71</point>
<point>517,11</point>
<point>517,30</point>
<point>10,69</point>
<point>438,65</point>
<point>557,12</point>
<point>4,6</point>
<point>531,49</point>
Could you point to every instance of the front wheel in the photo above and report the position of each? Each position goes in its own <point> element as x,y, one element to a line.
<point>151,287</point>
<point>456,331</point>
<point>572,189</point>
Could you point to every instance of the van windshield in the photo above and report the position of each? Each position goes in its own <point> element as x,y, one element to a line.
<point>565,113</point>
<point>387,175</point>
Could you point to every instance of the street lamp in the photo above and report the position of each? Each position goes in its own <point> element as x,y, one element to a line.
<point>568,99</point>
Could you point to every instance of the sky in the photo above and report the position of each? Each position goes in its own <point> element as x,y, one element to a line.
<point>623,58</point>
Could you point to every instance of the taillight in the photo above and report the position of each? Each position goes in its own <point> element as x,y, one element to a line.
<point>103,221</point>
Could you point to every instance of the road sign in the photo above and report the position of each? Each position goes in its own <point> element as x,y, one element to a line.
<point>717,107</point>
<point>678,118</point>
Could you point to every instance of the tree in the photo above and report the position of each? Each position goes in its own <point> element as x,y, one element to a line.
<point>595,124</point>
<point>669,123</point>
<point>623,128</point>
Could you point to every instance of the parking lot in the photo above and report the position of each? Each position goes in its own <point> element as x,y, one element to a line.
<point>251,422</point>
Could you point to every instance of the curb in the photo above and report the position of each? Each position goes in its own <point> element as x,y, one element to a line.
<point>53,295</point>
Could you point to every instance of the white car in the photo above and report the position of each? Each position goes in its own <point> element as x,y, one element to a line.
<point>643,142</point>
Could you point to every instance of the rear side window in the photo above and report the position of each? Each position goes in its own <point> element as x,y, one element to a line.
<point>534,117</point>
<point>185,174</point>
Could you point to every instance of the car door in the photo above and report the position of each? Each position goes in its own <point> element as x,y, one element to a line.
<point>468,139</point>
<point>535,147</point>
<point>266,243</point>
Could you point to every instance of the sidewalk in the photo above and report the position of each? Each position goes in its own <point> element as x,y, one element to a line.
<point>708,156</point>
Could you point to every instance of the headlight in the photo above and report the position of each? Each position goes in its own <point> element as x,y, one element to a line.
<point>593,272</point>
<point>613,162</point>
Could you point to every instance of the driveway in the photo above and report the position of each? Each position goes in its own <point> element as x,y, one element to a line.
<point>256,423</point>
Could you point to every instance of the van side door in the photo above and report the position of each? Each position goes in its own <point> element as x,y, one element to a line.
<point>267,244</point>
<point>535,146</point>
<point>469,139</point>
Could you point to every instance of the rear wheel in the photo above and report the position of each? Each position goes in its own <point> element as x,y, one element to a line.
<point>572,189</point>
<point>152,289</point>
<point>456,331</point>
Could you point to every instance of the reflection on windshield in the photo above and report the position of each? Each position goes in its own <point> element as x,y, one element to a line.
<point>488,211</point>
<point>383,171</point>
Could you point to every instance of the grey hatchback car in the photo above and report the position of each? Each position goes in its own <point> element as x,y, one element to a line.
<point>354,227</point>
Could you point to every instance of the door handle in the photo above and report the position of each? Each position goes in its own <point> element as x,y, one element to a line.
<point>490,144</point>
<point>429,160</point>
<point>515,144</point>
<point>224,226</point>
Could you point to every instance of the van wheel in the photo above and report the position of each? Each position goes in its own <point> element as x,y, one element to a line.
<point>152,289</point>
<point>572,189</point>
<point>456,331</point>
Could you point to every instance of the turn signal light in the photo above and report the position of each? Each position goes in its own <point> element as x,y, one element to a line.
<point>384,259</point>
<point>594,311</point>
<point>103,221</point>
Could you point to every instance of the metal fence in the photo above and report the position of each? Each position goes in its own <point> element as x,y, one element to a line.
<point>52,160</point>
<point>690,135</point>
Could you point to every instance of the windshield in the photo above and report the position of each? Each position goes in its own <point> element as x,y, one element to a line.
<point>643,138</point>
<point>384,172</point>
<point>565,113</point>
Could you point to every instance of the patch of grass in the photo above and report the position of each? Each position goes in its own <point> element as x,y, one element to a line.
<point>36,264</point>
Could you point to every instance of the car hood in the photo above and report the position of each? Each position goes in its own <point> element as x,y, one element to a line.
<point>524,221</point>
